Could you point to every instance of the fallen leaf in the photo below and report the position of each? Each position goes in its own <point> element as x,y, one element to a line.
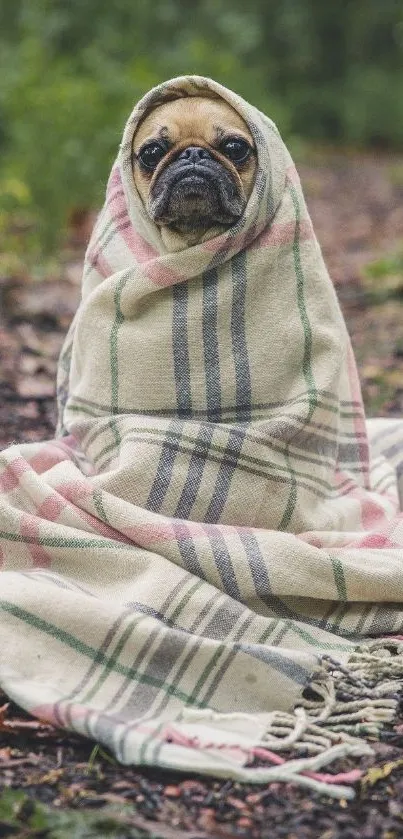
<point>378,773</point>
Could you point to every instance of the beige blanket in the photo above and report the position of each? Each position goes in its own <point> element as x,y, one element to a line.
<point>194,569</point>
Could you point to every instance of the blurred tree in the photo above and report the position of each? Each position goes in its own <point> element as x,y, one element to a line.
<point>70,73</point>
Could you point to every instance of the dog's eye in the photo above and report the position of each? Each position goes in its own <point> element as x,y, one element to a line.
<point>150,155</point>
<point>236,149</point>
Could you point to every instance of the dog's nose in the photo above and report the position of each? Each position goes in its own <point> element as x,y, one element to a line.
<point>194,154</point>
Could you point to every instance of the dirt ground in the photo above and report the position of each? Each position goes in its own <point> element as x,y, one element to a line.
<point>356,202</point>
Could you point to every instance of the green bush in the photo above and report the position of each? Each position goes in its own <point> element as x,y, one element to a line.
<point>71,72</point>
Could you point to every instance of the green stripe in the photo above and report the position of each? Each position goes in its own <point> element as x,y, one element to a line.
<point>334,625</point>
<point>114,427</point>
<point>152,739</point>
<point>269,631</point>
<point>339,578</point>
<point>110,664</point>
<point>113,341</point>
<point>235,461</point>
<point>99,411</point>
<point>292,499</point>
<point>99,506</point>
<point>296,628</point>
<point>181,605</point>
<point>206,672</point>
<point>199,414</point>
<point>247,438</point>
<point>315,642</point>
<point>306,363</point>
<point>91,653</point>
<point>60,542</point>
<point>306,360</point>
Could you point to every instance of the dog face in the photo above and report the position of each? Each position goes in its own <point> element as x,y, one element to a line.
<point>194,165</point>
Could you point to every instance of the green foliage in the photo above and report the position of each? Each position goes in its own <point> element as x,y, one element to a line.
<point>23,818</point>
<point>71,72</point>
<point>383,278</point>
<point>387,265</point>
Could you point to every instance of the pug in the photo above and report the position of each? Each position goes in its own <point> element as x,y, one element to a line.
<point>194,166</point>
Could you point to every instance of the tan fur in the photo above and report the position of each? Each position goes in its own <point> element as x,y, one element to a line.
<point>194,121</point>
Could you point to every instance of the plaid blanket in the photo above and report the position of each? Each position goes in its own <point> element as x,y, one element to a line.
<point>203,569</point>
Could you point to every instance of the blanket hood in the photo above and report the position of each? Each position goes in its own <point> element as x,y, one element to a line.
<point>232,354</point>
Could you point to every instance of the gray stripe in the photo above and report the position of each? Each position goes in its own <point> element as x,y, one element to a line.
<point>223,621</point>
<point>100,656</point>
<point>106,240</point>
<point>223,562</point>
<point>385,619</point>
<point>195,471</point>
<point>258,568</point>
<point>187,549</point>
<point>394,453</point>
<point>180,347</point>
<point>222,254</point>
<point>141,654</point>
<point>231,654</point>
<point>195,648</point>
<point>210,344</point>
<point>273,434</point>
<point>277,661</point>
<point>160,665</point>
<point>350,453</point>
<point>113,219</point>
<point>224,477</point>
<point>243,387</point>
<point>231,464</point>
<point>363,617</point>
<point>260,576</point>
<point>162,480</point>
<point>54,579</point>
<point>385,432</point>
<point>220,625</point>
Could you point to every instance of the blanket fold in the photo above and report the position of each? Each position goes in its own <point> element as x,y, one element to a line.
<point>203,569</point>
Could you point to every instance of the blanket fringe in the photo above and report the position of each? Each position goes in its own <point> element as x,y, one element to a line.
<point>358,698</point>
<point>343,707</point>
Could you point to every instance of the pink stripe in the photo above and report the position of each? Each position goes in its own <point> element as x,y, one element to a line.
<point>173,530</point>
<point>222,242</point>
<point>98,261</point>
<point>347,777</point>
<point>58,716</point>
<point>114,179</point>
<point>68,495</point>
<point>283,234</point>
<point>50,455</point>
<point>30,528</point>
<point>12,474</point>
<point>118,206</point>
<point>181,739</point>
<point>372,514</point>
<point>52,507</point>
<point>160,274</point>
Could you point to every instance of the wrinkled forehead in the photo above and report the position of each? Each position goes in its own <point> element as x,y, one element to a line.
<point>192,117</point>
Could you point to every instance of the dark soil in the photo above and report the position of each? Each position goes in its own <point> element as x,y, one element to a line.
<point>356,204</point>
